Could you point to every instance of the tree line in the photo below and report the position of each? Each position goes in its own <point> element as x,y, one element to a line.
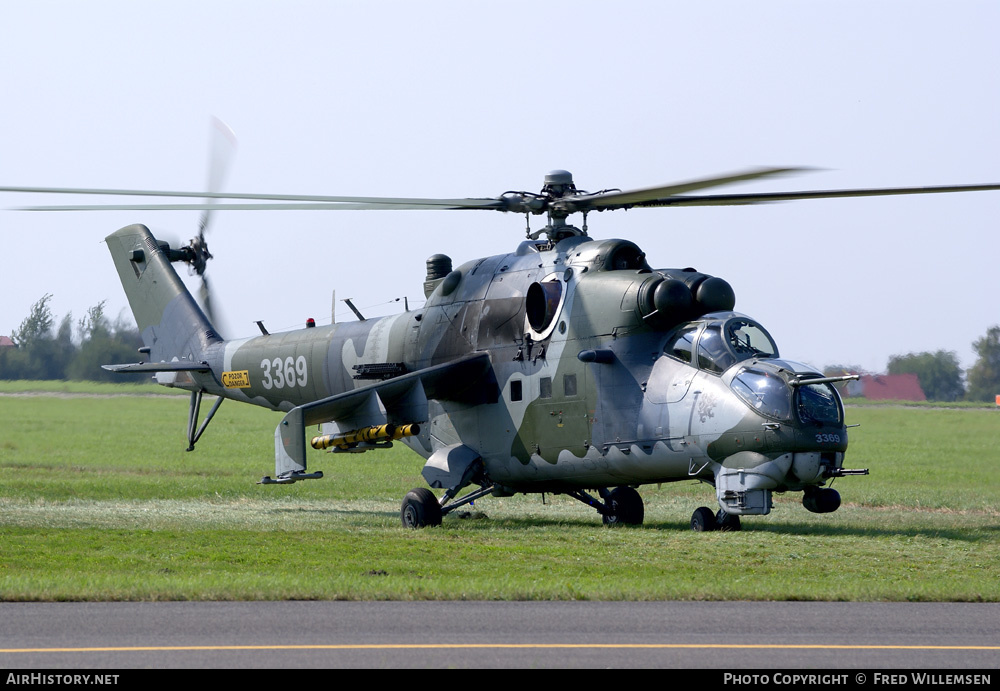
<point>940,375</point>
<point>71,350</point>
<point>77,351</point>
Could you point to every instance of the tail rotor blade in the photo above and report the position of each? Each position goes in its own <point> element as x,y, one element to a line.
<point>222,150</point>
<point>208,306</point>
<point>206,299</point>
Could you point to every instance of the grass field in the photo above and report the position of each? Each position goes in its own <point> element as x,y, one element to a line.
<point>99,501</point>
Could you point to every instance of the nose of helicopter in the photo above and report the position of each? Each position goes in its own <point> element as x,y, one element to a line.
<point>745,480</point>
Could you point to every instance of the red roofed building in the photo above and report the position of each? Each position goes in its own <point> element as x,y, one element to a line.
<point>887,387</point>
<point>5,342</point>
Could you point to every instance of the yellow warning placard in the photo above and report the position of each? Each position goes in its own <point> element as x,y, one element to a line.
<point>236,380</point>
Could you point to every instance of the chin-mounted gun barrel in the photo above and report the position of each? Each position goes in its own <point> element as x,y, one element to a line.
<point>843,472</point>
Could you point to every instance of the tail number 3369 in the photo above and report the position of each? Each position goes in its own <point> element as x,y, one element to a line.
<point>280,373</point>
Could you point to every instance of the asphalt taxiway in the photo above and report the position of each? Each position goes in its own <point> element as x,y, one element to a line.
<point>700,635</point>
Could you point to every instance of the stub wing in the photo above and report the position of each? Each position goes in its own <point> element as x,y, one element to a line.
<point>404,399</point>
<point>175,366</point>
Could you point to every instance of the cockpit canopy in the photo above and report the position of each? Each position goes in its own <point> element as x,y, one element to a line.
<point>719,340</point>
<point>775,388</point>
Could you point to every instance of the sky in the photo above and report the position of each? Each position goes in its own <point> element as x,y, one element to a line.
<point>471,99</point>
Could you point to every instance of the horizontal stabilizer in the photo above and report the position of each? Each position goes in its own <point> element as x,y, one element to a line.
<point>176,366</point>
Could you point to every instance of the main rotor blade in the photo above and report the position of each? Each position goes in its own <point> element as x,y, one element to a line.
<point>765,197</point>
<point>666,195</point>
<point>494,204</point>
<point>487,203</point>
<point>615,200</point>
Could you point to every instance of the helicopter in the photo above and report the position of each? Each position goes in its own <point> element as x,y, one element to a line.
<point>568,366</point>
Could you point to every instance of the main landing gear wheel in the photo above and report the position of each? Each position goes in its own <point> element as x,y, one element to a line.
<point>420,508</point>
<point>703,520</point>
<point>624,507</point>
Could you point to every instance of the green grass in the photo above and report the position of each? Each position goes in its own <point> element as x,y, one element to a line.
<point>86,387</point>
<point>863,402</point>
<point>99,501</point>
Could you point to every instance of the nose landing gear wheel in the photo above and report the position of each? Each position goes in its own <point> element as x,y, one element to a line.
<point>727,521</point>
<point>703,520</point>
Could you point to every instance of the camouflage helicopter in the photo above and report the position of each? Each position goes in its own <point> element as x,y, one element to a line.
<point>569,366</point>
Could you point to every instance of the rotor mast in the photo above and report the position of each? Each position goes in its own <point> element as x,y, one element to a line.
<point>558,191</point>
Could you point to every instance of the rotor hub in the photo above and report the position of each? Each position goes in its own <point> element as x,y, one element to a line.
<point>558,183</point>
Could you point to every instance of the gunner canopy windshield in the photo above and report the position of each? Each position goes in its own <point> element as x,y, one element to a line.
<point>768,388</point>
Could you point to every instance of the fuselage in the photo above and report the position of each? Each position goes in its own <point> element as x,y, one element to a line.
<point>607,373</point>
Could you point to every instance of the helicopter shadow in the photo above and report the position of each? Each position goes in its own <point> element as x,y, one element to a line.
<point>801,529</point>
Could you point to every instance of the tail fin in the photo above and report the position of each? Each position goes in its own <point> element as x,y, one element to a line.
<point>170,321</point>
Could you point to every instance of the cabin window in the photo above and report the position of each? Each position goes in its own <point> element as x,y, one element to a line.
<point>569,384</point>
<point>681,344</point>
<point>515,390</point>
<point>545,387</point>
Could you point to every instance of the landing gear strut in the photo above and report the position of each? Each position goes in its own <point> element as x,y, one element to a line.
<point>194,431</point>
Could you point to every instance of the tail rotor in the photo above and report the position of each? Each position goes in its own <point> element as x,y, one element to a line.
<point>222,143</point>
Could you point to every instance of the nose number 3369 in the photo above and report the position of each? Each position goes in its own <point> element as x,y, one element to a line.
<point>280,373</point>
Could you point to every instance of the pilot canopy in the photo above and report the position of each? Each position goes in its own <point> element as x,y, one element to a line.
<point>720,340</point>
